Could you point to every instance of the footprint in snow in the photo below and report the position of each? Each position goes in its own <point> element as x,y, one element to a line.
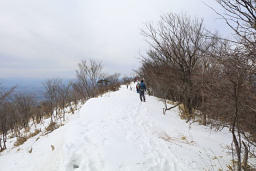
<point>75,166</point>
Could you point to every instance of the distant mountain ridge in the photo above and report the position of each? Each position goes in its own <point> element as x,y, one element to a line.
<point>32,86</point>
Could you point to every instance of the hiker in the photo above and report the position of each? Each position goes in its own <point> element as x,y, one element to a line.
<point>138,87</point>
<point>142,89</point>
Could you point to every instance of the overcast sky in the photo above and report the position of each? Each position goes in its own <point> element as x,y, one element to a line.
<point>47,38</point>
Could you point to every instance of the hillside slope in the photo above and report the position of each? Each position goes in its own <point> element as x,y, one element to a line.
<point>118,132</point>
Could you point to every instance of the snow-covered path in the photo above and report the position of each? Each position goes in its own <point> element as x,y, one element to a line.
<point>118,132</point>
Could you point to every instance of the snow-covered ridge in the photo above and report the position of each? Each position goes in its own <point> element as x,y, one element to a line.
<point>118,132</point>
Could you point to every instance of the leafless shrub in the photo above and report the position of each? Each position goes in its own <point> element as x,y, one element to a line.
<point>202,71</point>
<point>109,83</point>
<point>232,98</point>
<point>23,105</point>
<point>20,141</point>
<point>37,131</point>
<point>240,16</point>
<point>64,97</point>
<point>18,110</point>
<point>88,74</point>
<point>6,115</point>
<point>51,94</point>
<point>51,127</point>
<point>239,75</point>
<point>126,80</point>
<point>178,45</point>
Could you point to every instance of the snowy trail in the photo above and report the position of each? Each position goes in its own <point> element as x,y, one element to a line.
<point>123,133</point>
<point>117,132</point>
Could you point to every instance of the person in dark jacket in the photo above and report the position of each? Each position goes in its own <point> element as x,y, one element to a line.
<point>138,87</point>
<point>142,89</point>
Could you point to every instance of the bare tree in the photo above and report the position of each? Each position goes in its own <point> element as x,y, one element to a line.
<point>6,121</point>
<point>88,74</point>
<point>113,79</point>
<point>178,44</point>
<point>126,80</point>
<point>24,105</point>
<point>230,98</point>
<point>5,94</point>
<point>64,97</point>
<point>240,16</point>
<point>51,94</point>
<point>6,112</point>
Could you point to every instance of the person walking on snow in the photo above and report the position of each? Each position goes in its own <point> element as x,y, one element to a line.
<point>142,89</point>
<point>138,87</point>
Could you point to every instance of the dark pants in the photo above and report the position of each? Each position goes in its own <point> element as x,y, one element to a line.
<point>142,96</point>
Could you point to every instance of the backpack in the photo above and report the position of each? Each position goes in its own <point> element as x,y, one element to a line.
<point>142,87</point>
<point>138,86</point>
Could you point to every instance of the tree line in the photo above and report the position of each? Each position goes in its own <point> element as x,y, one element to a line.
<point>208,74</point>
<point>19,110</point>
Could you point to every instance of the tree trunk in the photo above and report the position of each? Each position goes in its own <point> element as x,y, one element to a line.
<point>204,119</point>
<point>4,140</point>
<point>1,148</point>
<point>234,125</point>
<point>245,159</point>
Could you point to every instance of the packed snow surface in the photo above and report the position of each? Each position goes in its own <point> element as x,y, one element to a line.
<point>117,132</point>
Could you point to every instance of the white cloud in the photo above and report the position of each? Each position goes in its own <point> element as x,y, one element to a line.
<point>45,38</point>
